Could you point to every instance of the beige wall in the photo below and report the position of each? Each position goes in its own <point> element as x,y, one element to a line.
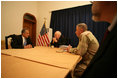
<point>12,16</point>
<point>12,13</point>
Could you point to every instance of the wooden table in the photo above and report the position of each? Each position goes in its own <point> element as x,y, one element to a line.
<point>13,67</point>
<point>43,56</point>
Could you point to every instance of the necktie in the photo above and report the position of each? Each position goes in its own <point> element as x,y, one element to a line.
<point>25,43</point>
<point>105,35</point>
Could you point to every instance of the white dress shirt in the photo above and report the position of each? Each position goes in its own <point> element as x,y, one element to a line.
<point>23,40</point>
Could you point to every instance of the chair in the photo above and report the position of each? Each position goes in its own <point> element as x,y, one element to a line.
<point>6,40</point>
<point>2,44</point>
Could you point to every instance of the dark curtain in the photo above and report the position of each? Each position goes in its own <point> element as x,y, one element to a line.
<point>66,20</point>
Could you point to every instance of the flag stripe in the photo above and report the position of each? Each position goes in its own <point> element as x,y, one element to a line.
<point>40,40</point>
<point>43,39</point>
<point>46,40</point>
<point>39,43</point>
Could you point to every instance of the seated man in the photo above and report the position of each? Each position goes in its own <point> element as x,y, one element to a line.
<point>22,41</point>
<point>87,47</point>
<point>58,39</point>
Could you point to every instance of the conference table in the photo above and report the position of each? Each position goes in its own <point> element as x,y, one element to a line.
<point>37,62</point>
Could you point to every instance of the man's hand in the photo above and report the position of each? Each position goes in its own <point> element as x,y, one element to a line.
<point>28,46</point>
<point>68,48</point>
<point>54,40</point>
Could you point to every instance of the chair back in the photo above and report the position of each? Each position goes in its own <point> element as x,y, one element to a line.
<point>6,40</point>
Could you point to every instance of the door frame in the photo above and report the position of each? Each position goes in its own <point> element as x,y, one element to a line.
<point>33,28</point>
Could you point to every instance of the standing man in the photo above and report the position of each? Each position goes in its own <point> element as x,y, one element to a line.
<point>23,40</point>
<point>87,47</point>
<point>104,63</point>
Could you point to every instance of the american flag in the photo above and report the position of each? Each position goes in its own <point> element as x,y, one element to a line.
<point>43,39</point>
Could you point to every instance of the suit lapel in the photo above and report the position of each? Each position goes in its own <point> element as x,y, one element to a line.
<point>21,39</point>
<point>104,46</point>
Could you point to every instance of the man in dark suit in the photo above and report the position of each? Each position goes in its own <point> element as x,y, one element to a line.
<point>104,63</point>
<point>22,41</point>
<point>59,39</point>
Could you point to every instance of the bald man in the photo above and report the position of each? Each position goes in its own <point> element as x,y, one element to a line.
<point>104,63</point>
<point>58,39</point>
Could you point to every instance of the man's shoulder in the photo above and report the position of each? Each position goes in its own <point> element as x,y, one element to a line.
<point>62,37</point>
<point>15,37</point>
<point>86,33</point>
<point>19,36</point>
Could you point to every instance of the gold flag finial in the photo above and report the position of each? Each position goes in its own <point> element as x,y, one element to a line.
<point>45,19</point>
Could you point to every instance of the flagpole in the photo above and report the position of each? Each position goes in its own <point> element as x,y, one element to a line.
<point>45,27</point>
<point>45,22</point>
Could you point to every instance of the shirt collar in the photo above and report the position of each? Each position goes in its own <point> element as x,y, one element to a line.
<point>23,37</point>
<point>112,24</point>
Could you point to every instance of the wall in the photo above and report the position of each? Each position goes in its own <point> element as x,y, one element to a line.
<point>12,13</point>
<point>12,16</point>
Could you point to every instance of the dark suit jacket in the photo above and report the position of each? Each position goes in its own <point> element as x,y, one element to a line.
<point>104,63</point>
<point>61,41</point>
<point>17,41</point>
